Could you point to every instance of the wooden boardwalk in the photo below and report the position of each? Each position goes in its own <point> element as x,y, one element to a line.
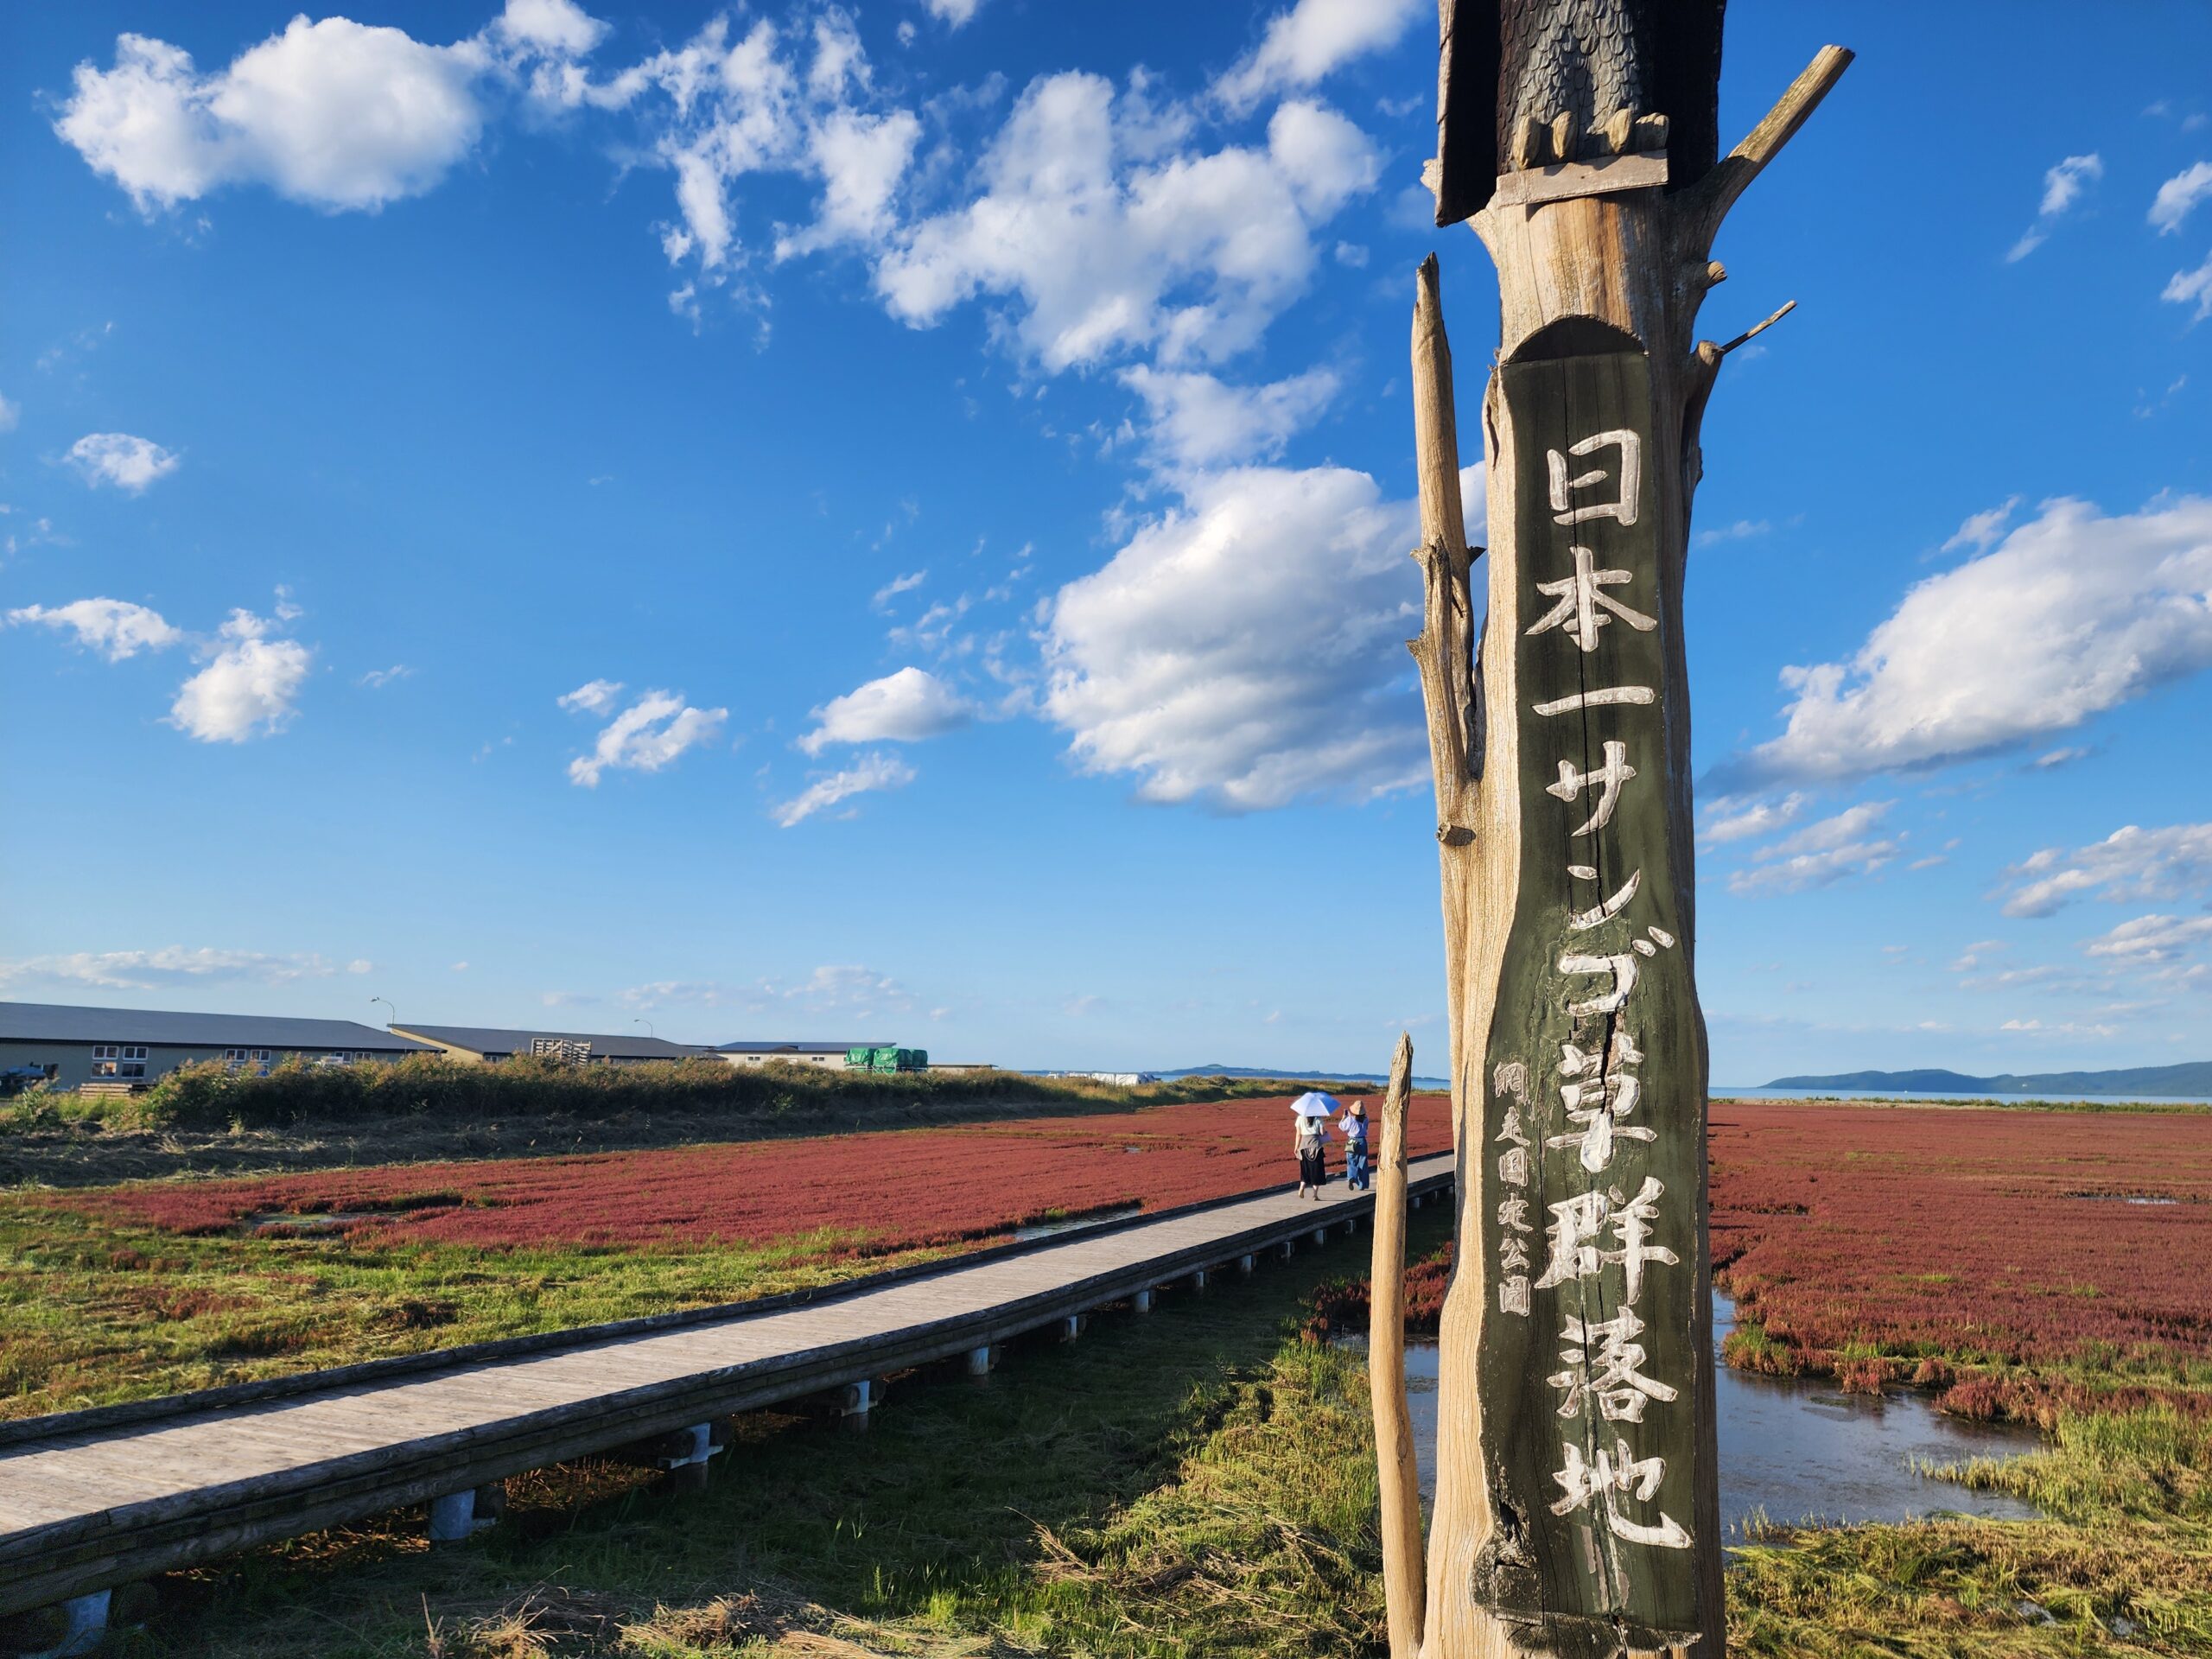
<point>89,1500</point>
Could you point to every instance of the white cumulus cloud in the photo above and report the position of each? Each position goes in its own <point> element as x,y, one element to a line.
<point>647,735</point>
<point>2073,614</point>
<point>249,686</point>
<point>2062,186</point>
<point>901,708</point>
<point>558,28</point>
<point>1982,530</point>
<point>2191,288</point>
<point>334,113</point>
<point>2179,195</point>
<point>1198,420</point>
<point>859,160</point>
<point>869,771</point>
<point>1313,37</point>
<point>114,627</point>
<point>1730,819</point>
<point>1821,854</point>
<point>1101,248</point>
<point>1246,648</point>
<point>171,965</point>
<point>2153,940</point>
<point>592,697</point>
<point>898,585</point>
<point>130,464</point>
<point>2131,863</point>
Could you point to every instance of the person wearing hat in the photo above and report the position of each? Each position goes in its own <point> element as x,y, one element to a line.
<point>1357,1171</point>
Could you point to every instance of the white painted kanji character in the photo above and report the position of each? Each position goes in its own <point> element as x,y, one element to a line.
<point>1598,1091</point>
<point>1583,607</point>
<point>1513,1254</point>
<point>1583,921</point>
<point>1622,508</point>
<point>1510,1129</point>
<point>1632,1229</point>
<point>1513,1166</point>
<point>1619,1388</point>
<point>1578,1224</point>
<point>1623,967</point>
<point>1513,1296</point>
<point>1609,1476</point>
<point>1513,1213</point>
<point>1608,777</point>
<point>1642,695</point>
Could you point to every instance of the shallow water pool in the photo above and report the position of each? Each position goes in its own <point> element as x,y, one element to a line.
<point>1793,1452</point>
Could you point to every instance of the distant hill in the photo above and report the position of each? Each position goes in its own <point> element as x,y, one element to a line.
<point>2190,1078</point>
<point>1366,1080</point>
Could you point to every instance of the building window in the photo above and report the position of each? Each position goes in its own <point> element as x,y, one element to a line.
<point>238,1059</point>
<point>118,1059</point>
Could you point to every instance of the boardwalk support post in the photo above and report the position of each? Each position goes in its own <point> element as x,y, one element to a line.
<point>1071,1327</point>
<point>1244,1264</point>
<point>979,1361</point>
<point>685,1470</point>
<point>452,1517</point>
<point>1141,1301</point>
<point>860,1399</point>
<point>461,1515</point>
<point>78,1625</point>
<point>1199,1278</point>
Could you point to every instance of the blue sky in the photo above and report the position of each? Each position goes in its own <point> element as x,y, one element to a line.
<point>891,522</point>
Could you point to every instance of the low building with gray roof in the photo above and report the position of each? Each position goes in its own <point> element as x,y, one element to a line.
<point>762,1051</point>
<point>122,1050</point>
<point>492,1044</point>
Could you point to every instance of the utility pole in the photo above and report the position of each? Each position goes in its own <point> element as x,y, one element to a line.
<point>1577,1510</point>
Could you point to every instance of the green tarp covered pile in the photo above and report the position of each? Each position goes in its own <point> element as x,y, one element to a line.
<point>887,1059</point>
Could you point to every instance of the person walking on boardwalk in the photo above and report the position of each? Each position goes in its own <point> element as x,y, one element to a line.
<point>1312,1110</point>
<point>1353,1126</point>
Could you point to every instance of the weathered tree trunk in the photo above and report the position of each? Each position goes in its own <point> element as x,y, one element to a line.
<point>1397,1474</point>
<point>1577,1509</point>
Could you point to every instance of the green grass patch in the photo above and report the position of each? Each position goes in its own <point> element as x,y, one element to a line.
<point>92,1313</point>
<point>2124,1566</point>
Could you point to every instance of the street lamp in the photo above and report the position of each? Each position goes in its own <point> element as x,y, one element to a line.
<point>389,1009</point>
<point>648,1025</point>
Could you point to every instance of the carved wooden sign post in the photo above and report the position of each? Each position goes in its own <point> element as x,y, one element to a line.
<point>1577,1509</point>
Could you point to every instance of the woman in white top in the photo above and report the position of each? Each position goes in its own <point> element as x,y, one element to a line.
<point>1312,1145</point>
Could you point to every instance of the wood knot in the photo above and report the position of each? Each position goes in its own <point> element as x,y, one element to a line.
<point>1454,834</point>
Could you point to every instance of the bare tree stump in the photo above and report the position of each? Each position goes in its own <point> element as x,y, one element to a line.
<point>1398,1474</point>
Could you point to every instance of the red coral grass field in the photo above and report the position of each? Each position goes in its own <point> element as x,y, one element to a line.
<point>2022,1260</point>
<point>859,1194</point>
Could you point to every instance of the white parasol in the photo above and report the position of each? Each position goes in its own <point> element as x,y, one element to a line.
<point>1314,1103</point>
